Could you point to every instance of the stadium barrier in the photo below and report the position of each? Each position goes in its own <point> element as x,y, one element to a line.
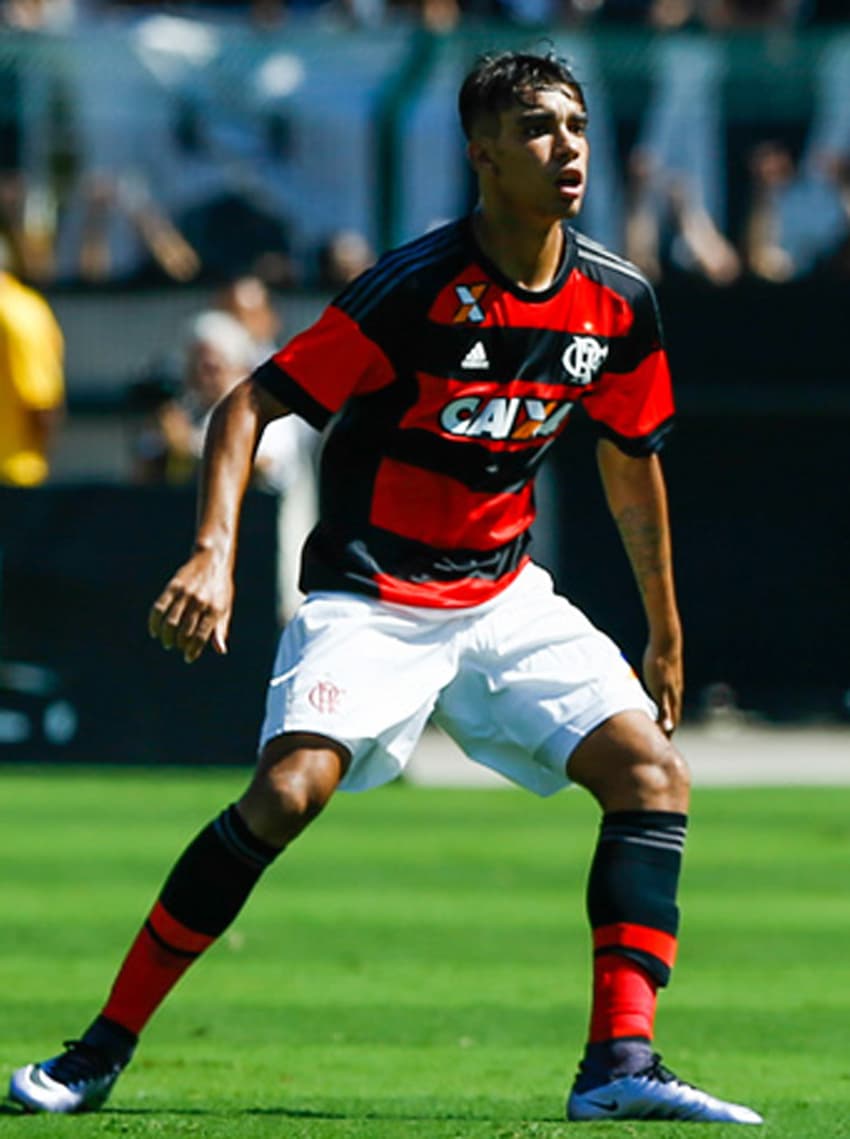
<point>80,680</point>
<point>762,555</point>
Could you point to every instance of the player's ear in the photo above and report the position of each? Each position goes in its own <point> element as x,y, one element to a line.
<point>480,156</point>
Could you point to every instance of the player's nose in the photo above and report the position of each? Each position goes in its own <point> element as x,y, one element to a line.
<point>566,143</point>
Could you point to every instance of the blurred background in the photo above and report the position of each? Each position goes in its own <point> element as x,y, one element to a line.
<point>183,187</point>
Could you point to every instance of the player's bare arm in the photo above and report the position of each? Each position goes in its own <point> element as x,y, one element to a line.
<point>195,607</point>
<point>637,498</point>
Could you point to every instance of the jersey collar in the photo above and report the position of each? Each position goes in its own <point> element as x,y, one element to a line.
<point>530,296</point>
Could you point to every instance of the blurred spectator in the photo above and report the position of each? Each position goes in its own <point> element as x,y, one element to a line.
<point>697,200</point>
<point>37,15</point>
<point>32,387</point>
<point>772,170</point>
<point>438,16</point>
<point>27,224</point>
<point>643,218</point>
<point>810,214</point>
<point>750,15</point>
<point>343,257</point>
<point>673,15</point>
<point>117,214</point>
<point>217,352</point>
<point>247,299</point>
<point>700,246</point>
<point>821,189</point>
<point>668,226</point>
<point>676,194</point>
<point>799,217</point>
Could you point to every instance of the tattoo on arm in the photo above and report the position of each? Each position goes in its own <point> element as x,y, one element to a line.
<point>645,541</point>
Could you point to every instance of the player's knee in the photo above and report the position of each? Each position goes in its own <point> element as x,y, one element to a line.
<point>632,766</point>
<point>296,794</point>
<point>289,788</point>
<point>661,774</point>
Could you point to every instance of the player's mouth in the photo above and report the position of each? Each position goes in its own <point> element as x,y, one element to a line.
<point>570,183</point>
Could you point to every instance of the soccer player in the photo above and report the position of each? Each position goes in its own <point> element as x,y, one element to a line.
<point>442,376</point>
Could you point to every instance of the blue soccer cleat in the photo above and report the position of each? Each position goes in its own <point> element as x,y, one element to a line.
<point>80,1079</point>
<point>654,1093</point>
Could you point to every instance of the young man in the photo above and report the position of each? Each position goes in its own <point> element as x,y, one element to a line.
<point>443,375</point>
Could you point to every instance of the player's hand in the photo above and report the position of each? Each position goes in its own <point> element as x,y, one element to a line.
<point>195,607</point>
<point>663,673</point>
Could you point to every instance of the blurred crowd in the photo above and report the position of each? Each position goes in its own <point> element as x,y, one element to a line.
<point>443,14</point>
<point>696,191</point>
<point>699,193</point>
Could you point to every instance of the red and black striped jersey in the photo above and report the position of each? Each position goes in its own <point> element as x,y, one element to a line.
<point>442,385</point>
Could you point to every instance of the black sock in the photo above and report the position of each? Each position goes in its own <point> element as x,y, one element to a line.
<point>113,1039</point>
<point>213,877</point>
<point>632,887</point>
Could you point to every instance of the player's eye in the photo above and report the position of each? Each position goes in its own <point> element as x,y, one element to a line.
<point>533,128</point>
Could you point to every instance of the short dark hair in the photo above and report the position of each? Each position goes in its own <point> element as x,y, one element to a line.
<point>496,82</point>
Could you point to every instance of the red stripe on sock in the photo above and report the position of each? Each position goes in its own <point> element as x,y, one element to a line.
<point>176,933</point>
<point>623,999</point>
<point>150,971</point>
<point>626,935</point>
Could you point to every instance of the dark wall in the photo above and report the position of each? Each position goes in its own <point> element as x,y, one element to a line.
<point>82,565</point>
<point>741,343</point>
<point>761,526</point>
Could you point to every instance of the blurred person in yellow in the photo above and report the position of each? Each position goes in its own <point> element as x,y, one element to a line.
<point>32,383</point>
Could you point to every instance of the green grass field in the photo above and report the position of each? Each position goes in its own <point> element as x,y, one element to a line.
<point>417,965</point>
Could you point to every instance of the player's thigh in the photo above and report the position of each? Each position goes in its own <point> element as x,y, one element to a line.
<point>361,674</point>
<point>543,679</point>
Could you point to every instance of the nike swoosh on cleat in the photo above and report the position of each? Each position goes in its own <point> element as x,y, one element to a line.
<point>612,1105</point>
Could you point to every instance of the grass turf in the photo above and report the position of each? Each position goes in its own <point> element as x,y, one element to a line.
<point>417,965</point>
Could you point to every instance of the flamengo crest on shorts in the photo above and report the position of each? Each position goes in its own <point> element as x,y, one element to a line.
<point>445,384</point>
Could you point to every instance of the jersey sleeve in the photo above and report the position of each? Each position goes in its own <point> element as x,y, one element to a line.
<point>324,366</point>
<point>633,402</point>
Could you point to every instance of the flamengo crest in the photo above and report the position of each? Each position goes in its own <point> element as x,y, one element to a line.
<point>325,696</point>
<point>584,359</point>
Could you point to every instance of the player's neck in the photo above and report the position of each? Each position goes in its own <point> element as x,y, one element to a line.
<point>529,255</point>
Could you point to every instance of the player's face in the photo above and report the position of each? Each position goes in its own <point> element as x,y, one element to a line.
<point>536,163</point>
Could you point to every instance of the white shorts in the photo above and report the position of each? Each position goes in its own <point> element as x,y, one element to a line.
<point>517,682</point>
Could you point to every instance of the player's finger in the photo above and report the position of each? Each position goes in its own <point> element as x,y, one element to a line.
<point>190,619</point>
<point>169,624</point>
<point>162,611</point>
<point>157,611</point>
<point>219,637</point>
<point>196,643</point>
<point>666,716</point>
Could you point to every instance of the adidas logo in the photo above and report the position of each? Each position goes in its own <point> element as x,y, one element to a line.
<point>476,357</point>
